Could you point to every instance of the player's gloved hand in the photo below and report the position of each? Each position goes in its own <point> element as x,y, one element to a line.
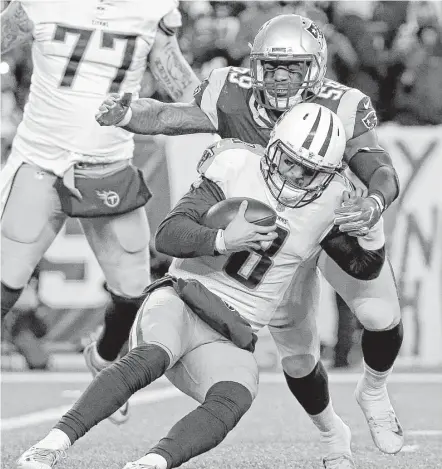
<point>358,212</point>
<point>240,235</point>
<point>114,110</point>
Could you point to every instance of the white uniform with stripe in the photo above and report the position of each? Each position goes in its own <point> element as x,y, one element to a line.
<point>82,50</point>
<point>256,284</point>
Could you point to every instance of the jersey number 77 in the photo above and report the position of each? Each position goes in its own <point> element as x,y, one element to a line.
<point>107,41</point>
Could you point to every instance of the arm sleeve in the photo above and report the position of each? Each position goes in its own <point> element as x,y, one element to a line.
<point>375,169</point>
<point>181,233</point>
<point>347,252</point>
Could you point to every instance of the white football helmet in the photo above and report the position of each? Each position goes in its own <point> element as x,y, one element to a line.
<point>303,155</point>
<point>292,39</point>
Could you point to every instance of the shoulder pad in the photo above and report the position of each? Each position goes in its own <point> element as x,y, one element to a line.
<point>215,150</point>
<point>357,113</point>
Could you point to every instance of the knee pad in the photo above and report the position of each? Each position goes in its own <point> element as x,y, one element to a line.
<point>298,366</point>
<point>129,283</point>
<point>377,314</point>
<point>130,301</point>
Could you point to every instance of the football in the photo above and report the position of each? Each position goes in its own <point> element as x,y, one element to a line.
<point>222,213</point>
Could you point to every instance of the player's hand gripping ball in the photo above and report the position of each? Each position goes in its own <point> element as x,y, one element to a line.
<point>222,213</point>
<point>248,224</point>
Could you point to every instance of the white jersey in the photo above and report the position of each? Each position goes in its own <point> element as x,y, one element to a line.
<point>82,51</point>
<point>255,283</point>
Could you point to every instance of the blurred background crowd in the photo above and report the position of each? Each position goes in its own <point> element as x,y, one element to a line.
<point>390,50</point>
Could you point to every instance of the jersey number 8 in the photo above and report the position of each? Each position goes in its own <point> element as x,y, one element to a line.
<point>250,268</point>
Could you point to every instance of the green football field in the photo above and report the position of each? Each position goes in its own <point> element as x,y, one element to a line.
<point>274,434</point>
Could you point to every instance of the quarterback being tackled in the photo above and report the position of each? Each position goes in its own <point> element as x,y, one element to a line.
<point>198,324</point>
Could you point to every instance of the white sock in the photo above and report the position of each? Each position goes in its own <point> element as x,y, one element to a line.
<point>374,381</point>
<point>55,439</point>
<point>153,459</point>
<point>97,360</point>
<point>326,420</point>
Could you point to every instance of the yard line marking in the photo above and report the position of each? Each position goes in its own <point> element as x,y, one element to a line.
<point>265,377</point>
<point>35,418</point>
<point>425,432</point>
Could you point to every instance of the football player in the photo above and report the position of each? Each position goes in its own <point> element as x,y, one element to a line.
<point>288,64</point>
<point>63,163</point>
<point>242,272</point>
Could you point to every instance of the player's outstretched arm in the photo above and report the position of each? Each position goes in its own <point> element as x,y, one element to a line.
<point>16,26</point>
<point>151,117</point>
<point>171,69</point>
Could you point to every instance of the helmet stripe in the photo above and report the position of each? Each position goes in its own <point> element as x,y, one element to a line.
<point>308,141</point>
<point>327,141</point>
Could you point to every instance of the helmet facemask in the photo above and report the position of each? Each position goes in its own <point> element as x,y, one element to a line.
<point>294,192</point>
<point>295,91</point>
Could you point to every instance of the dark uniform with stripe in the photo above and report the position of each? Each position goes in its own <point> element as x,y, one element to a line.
<point>226,97</point>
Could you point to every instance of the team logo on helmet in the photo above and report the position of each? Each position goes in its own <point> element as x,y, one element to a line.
<point>110,198</point>
<point>315,32</point>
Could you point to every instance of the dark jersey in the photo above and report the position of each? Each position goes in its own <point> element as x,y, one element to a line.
<point>226,97</point>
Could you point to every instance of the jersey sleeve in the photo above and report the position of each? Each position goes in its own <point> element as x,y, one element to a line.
<point>207,94</point>
<point>180,234</point>
<point>170,22</point>
<point>356,113</point>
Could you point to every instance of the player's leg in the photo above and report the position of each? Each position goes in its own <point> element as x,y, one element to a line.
<point>375,303</point>
<point>294,331</point>
<point>224,379</point>
<point>121,245</point>
<point>32,218</point>
<point>162,332</point>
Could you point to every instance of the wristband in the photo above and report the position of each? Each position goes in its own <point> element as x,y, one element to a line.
<point>220,244</point>
<point>126,119</point>
<point>378,199</point>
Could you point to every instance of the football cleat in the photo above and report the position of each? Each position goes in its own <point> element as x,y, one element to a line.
<point>384,426</point>
<point>342,461</point>
<point>337,447</point>
<point>39,458</point>
<point>122,414</point>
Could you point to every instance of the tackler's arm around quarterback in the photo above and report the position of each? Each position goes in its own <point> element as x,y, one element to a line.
<point>16,26</point>
<point>183,234</point>
<point>373,166</point>
<point>151,117</point>
<point>361,257</point>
